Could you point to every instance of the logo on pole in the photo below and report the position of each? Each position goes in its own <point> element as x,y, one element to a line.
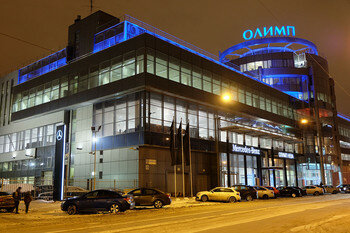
<point>59,135</point>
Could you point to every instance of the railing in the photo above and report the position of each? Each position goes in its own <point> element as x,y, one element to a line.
<point>187,46</point>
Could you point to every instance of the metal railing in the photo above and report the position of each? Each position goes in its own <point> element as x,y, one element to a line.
<point>185,45</point>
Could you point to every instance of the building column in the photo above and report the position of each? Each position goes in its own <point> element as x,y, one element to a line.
<point>296,172</point>
<point>273,165</point>
<point>228,160</point>
<point>285,171</point>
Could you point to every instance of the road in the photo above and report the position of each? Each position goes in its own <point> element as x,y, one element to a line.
<point>328,213</point>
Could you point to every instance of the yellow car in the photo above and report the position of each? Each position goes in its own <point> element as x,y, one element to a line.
<point>219,194</point>
<point>6,201</point>
<point>314,190</point>
<point>264,193</point>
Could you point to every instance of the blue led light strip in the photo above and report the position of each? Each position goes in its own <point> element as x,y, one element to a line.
<point>42,69</point>
<point>344,117</point>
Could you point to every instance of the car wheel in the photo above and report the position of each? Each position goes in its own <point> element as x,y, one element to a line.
<point>316,193</point>
<point>294,195</point>
<point>114,209</point>
<point>231,200</point>
<point>265,196</point>
<point>204,198</point>
<point>72,209</point>
<point>249,198</point>
<point>334,192</point>
<point>158,204</point>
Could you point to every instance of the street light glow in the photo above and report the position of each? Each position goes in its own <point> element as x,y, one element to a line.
<point>304,121</point>
<point>226,97</point>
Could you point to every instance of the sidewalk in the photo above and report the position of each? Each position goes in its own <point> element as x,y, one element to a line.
<point>181,202</point>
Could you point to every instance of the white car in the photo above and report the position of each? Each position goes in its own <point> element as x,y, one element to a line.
<point>264,193</point>
<point>219,194</point>
<point>314,190</point>
<point>47,196</point>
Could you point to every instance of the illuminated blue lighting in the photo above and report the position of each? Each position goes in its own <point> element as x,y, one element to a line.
<point>266,49</point>
<point>295,94</point>
<point>267,41</point>
<point>344,117</point>
<point>271,31</point>
<point>131,30</point>
<point>37,68</point>
<point>63,160</point>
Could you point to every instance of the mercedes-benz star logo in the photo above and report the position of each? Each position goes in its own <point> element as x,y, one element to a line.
<point>59,135</point>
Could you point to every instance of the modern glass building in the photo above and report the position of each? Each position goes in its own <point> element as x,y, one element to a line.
<point>101,109</point>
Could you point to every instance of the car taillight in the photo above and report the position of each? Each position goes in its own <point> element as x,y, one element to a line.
<point>127,199</point>
<point>168,195</point>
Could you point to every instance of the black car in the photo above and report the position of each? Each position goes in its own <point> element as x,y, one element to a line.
<point>247,193</point>
<point>149,197</point>
<point>289,192</point>
<point>98,200</point>
<point>302,191</point>
<point>344,188</point>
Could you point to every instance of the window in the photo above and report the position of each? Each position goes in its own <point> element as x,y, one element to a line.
<point>197,78</point>
<point>186,73</point>
<point>161,65</point>
<point>136,192</point>
<point>150,192</point>
<point>91,195</point>
<point>129,64</point>
<point>174,69</point>
<point>116,69</point>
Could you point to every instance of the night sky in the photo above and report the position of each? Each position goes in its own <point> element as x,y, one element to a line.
<point>211,25</point>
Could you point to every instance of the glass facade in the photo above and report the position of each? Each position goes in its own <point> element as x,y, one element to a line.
<point>43,66</point>
<point>174,69</point>
<point>120,67</point>
<point>119,116</point>
<point>30,138</point>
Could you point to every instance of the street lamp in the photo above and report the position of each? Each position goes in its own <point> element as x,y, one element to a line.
<point>304,121</point>
<point>94,139</point>
<point>226,97</point>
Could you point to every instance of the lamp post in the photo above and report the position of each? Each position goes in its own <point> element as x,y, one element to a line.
<point>94,139</point>
<point>226,98</point>
<point>320,145</point>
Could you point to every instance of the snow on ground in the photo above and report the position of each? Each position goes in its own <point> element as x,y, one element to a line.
<point>307,214</point>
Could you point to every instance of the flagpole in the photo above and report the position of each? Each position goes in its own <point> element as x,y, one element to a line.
<point>175,178</point>
<point>190,154</point>
<point>183,164</point>
<point>173,125</point>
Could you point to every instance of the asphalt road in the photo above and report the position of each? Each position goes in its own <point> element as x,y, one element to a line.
<point>328,213</point>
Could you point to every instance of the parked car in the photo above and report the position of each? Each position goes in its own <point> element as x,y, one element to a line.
<point>219,194</point>
<point>344,188</point>
<point>314,190</point>
<point>302,190</point>
<point>149,197</point>
<point>73,191</point>
<point>289,192</point>
<point>264,193</point>
<point>98,200</point>
<point>6,201</point>
<point>47,196</point>
<point>276,191</point>
<point>11,188</point>
<point>330,189</point>
<point>247,193</point>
